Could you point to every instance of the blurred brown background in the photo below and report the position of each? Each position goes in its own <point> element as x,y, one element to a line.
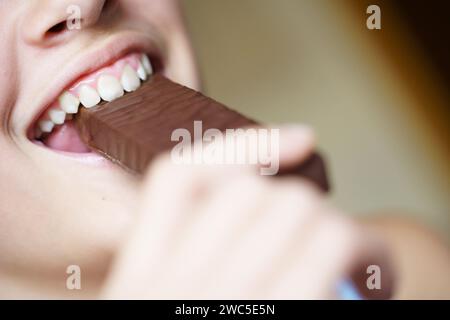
<point>378,99</point>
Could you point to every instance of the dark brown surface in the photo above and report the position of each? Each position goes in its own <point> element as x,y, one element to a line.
<point>136,127</point>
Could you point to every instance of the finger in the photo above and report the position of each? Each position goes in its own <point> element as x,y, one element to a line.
<point>297,142</point>
<point>263,149</point>
<point>336,248</point>
<point>320,263</point>
<point>264,250</point>
<point>169,197</point>
<point>221,221</point>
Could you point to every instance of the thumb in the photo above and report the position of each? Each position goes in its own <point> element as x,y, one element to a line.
<point>297,142</point>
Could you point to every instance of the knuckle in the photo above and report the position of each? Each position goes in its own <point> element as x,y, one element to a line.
<point>345,234</point>
<point>160,164</point>
<point>164,174</point>
<point>252,185</point>
<point>300,196</point>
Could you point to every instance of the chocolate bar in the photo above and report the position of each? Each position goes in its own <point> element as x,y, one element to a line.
<point>136,127</point>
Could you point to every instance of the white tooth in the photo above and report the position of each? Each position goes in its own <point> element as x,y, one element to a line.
<point>129,79</point>
<point>147,65</point>
<point>109,88</point>
<point>68,102</point>
<point>46,125</point>
<point>37,132</point>
<point>141,72</point>
<point>57,115</point>
<point>88,96</point>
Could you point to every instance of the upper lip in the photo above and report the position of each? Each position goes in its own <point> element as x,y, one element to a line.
<point>114,48</point>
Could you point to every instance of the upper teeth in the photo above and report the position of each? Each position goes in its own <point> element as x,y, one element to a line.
<point>46,125</point>
<point>129,79</point>
<point>141,72</point>
<point>68,102</point>
<point>147,65</point>
<point>108,88</point>
<point>89,97</point>
<point>57,115</point>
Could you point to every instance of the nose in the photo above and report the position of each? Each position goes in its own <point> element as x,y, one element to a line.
<point>46,20</point>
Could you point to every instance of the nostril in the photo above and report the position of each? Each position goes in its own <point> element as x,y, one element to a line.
<point>60,29</point>
<point>108,5</point>
<point>57,28</point>
<point>109,8</point>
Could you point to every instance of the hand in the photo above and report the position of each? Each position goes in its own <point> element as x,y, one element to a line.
<point>225,232</point>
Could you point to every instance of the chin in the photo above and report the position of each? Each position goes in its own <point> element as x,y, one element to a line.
<point>63,215</point>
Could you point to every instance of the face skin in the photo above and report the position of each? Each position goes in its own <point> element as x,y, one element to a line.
<point>55,209</point>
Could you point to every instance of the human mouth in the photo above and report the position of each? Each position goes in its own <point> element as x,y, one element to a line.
<point>55,129</point>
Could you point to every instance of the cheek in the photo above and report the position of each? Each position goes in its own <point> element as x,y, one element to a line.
<point>8,77</point>
<point>164,14</point>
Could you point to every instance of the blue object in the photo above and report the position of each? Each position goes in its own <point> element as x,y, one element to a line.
<point>347,291</point>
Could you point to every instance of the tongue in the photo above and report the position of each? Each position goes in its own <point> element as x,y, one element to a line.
<point>66,138</point>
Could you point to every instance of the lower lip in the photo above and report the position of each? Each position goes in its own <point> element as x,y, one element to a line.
<point>90,158</point>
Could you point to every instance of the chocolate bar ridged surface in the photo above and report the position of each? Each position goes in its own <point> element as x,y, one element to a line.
<point>135,128</point>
